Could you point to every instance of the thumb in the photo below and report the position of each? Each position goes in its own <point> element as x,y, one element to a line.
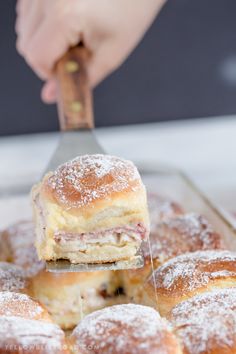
<point>49,91</point>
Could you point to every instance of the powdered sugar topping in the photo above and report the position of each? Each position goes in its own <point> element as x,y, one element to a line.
<point>207,323</point>
<point>12,278</point>
<point>124,329</point>
<point>193,270</point>
<point>184,233</point>
<point>20,240</point>
<point>90,177</point>
<point>16,304</point>
<point>30,334</point>
<point>161,209</point>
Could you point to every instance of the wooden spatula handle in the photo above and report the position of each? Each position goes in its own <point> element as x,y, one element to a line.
<point>75,97</point>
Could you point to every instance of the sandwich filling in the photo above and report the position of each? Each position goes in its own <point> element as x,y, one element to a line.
<point>118,236</point>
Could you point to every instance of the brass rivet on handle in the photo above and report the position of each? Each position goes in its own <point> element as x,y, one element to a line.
<point>71,66</point>
<point>76,106</point>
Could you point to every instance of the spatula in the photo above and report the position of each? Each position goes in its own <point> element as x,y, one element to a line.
<point>77,138</point>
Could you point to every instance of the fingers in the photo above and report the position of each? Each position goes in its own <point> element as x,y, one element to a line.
<point>45,37</point>
<point>109,29</point>
<point>29,15</point>
<point>31,23</point>
<point>20,14</point>
<point>49,92</point>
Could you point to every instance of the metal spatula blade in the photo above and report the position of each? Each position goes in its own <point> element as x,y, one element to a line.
<point>73,144</point>
<point>77,138</point>
<point>62,266</point>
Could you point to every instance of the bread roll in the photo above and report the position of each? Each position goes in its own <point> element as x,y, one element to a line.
<point>16,304</point>
<point>12,278</point>
<point>123,329</point>
<point>18,244</point>
<point>67,296</point>
<point>70,296</point>
<point>206,324</point>
<point>92,209</point>
<point>23,336</point>
<point>161,209</point>
<point>172,237</point>
<point>187,275</point>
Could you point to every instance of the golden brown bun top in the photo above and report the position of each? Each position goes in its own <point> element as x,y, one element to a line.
<point>187,273</point>
<point>181,234</point>
<point>90,178</point>
<point>12,277</point>
<point>19,241</point>
<point>32,335</point>
<point>206,324</point>
<point>123,329</point>
<point>16,304</point>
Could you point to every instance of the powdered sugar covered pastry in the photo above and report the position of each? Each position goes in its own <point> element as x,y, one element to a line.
<point>172,236</point>
<point>181,234</point>
<point>12,278</point>
<point>66,296</point>
<point>16,304</point>
<point>124,329</point>
<point>20,335</point>
<point>17,241</point>
<point>92,209</point>
<point>206,324</point>
<point>161,209</point>
<point>189,274</point>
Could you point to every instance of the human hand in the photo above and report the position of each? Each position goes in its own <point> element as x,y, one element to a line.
<point>110,29</point>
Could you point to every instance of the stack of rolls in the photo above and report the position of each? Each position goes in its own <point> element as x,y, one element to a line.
<point>194,285</point>
<point>92,209</point>
<point>190,278</point>
<point>184,296</point>
<point>67,296</point>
